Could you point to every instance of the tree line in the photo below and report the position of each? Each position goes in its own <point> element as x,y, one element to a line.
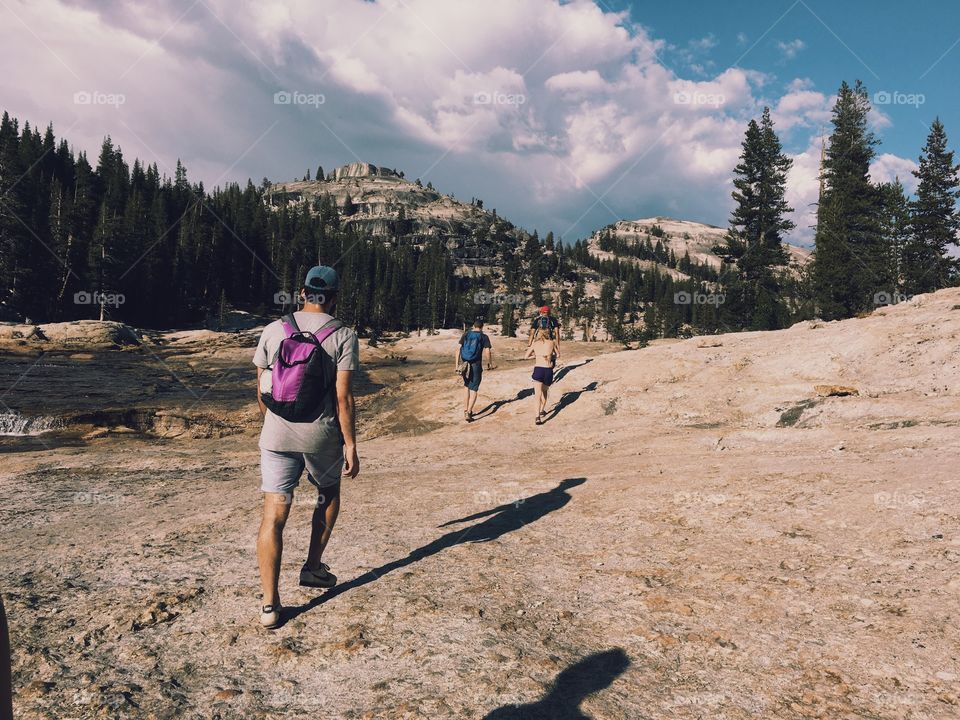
<point>872,245</point>
<point>130,244</point>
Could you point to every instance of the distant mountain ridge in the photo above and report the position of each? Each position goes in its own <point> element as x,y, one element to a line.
<point>680,236</point>
<point>382,202</point>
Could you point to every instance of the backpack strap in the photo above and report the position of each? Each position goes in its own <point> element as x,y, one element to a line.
<point>328,329</point>
<point>290,324</point>
<point>291,328</point>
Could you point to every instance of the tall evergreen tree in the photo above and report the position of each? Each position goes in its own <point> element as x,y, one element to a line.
<point>895,234</point>
<point>754,241</point>
<point>935,219</point>
<point>848,259</point>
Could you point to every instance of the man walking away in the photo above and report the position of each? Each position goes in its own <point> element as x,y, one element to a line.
<point>545,321</point>
<point>305,363</point>
<point>469,362</point>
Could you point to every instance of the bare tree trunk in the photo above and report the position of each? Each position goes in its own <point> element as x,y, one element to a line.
<point>66,271</point>
<point>103,257</point>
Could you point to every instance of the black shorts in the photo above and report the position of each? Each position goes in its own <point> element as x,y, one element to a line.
<point>543,375</point>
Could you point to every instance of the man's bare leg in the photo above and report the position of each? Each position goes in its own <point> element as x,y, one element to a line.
<point>471,400</point>
<point>276,509</point>
<point>543,399</point>
<point>538,396</point>
<point>324,518</point>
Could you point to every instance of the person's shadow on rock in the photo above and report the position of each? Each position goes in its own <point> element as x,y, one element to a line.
<point>566,369</point>
<point>572,687</point>
<point>497,404</point>
<point>568,399</point>
<point>499,521</point>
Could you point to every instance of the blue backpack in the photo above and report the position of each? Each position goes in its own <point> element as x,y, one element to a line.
<point>472,349</point>
<point>544,322</point>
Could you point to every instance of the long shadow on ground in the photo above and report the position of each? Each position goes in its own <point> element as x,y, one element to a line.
<point>566,369</point>
<point>497,404</point>
<point>572,687</point>
<point>568,399</point>
<point>499,521</point>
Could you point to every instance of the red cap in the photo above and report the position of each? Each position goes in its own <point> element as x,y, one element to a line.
<point>545,310</point>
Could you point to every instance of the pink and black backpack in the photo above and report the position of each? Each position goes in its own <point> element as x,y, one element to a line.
<point>303,372</point>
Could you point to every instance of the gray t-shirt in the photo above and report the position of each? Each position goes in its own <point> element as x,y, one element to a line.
<point>318,436</point>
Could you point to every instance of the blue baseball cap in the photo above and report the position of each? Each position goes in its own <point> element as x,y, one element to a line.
<point>320,278</point>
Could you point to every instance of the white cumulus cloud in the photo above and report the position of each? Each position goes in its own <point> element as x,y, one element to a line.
<point>560,115</point>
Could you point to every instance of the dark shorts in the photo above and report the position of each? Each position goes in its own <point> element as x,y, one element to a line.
<point>543,375</point>
<point>472,382</point>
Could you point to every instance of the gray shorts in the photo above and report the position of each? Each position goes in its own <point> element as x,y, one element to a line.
<point>281,471</point>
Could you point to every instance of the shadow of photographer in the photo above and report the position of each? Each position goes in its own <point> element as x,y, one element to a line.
<point>570,689</point>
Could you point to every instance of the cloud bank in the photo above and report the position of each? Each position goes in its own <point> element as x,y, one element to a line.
<point>563,117</point>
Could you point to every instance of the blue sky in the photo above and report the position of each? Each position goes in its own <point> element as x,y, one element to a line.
<point>562,116</point>
<point>892,46</point>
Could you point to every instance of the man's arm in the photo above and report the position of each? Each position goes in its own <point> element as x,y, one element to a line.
<point>263,408</point>
<point>6,690</point>
<point>456,358</point>
<point>490,357</point>
<point>346,415</point>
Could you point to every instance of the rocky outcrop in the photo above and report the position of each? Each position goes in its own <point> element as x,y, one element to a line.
<point>380,202</point>
<point>360,170</point>
<point>89,333</point>
<point>682,236</point>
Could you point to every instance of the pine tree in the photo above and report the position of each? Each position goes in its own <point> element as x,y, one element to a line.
<point>895,235</point>
<point>12,243</point>
<point>935,219</point>
<point>848,259</point>
<point>754,242</point>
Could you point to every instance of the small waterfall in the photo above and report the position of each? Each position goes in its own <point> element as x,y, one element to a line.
<point>13,423</point>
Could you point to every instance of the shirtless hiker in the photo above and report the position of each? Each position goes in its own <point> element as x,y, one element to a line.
<point>545,352</point>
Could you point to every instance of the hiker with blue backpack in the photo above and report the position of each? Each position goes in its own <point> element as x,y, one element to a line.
<point>469,363</point>
<point>305,363</point>
<point>546,322</point>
